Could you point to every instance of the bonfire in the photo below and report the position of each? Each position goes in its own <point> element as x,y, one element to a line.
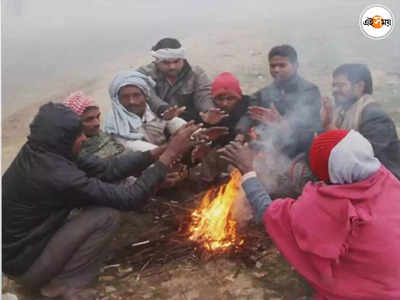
<point>212,223</point>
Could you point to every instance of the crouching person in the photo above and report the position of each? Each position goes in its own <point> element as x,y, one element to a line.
<point>343,233</point>
<point>44,246</point>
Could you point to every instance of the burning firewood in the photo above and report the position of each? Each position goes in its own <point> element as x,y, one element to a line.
<point>213,226</point>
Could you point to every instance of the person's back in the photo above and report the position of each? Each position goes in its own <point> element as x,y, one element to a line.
<point>343,233</point>
<point>368,259</point>
<point>31,178</point>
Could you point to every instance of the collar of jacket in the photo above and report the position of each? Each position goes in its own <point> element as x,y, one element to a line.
<point>344,106</point>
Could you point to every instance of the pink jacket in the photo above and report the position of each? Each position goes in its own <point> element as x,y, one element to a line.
<point>344,239</point>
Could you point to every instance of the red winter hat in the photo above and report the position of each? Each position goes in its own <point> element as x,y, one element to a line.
<point>320,151</point>
<point>226,83</point>
<point>78,102</point>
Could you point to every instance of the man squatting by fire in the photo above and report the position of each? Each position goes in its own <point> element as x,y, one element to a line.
<point>44,245</point>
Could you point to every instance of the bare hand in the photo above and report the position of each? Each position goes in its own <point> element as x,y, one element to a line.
<point>213,116</point>
<point>171,180</point>
<point>211,134</point>
<point>240,138</point>
<point>172,112</point>
<point>156,153</point>
<point>200,151</point>
<point>265,115</point>
<point>238,155</point>
<point>326,113</point>
<point>179,143</point>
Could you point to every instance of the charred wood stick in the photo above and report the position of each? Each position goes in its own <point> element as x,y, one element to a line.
<point>145,265</point>
<point>140,243</point>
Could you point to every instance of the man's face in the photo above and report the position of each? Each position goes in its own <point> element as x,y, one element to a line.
<point>281,68</point>
<point>133,99</point>
<point>76,148</point>
<point>226,102</point>
<point>170,67</point>
<point>91,121</point>
<point>343,90</point>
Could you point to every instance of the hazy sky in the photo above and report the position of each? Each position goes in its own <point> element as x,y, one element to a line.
<point>58,40</point>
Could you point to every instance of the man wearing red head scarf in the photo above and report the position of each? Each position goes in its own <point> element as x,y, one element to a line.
<point>343,233</point>
<point>227,96</point>
<point>98,142</point>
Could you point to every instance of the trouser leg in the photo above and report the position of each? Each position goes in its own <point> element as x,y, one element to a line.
<point>75,253</point>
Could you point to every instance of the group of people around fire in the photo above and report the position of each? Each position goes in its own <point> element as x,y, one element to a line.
<point>332,208</point>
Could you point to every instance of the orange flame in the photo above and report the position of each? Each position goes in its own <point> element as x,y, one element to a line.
<point>212,223</point>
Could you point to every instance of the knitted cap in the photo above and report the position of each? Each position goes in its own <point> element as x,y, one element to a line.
<point>320,151</point>
<point>226,83</point>
<point>78,102</point>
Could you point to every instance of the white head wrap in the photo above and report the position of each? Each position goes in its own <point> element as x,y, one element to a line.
<point>120,121</point>
<point>168,53</point>
<point>352,160</point>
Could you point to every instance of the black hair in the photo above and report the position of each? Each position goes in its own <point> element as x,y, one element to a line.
<point>285,51</point>
<point>356,73</point>
<point>167,43</point>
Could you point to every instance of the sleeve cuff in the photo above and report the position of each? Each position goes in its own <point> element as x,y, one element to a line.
<point>249,175</point>
<point>161,109</point>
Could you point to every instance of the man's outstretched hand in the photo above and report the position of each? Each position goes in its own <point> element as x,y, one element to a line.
<point>172,112</point>
<point>179,143</point>
<point>210,134</point>
<point>264,115</point>
<point>213,116</point>
<point>241,156</point>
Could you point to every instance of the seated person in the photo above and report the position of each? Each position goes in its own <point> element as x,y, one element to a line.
<point>98,142</point>
<point>343,233</point>
<point>43,245</point>
<point>286,116</point>
<point>355,108</point>
<point>286,112</point>
<point>179,85</point>
<point>227,96</point>
<point>131,120</point>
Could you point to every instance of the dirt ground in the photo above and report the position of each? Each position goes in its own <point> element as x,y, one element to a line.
<point>266,275</point>
<point>164,271</point>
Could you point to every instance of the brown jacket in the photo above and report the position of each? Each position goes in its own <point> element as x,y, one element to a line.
<point>192,89</point>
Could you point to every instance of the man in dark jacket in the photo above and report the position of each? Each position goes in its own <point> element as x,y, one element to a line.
<point>43,247</point>
<point>287,112</point>
<point>355,108</point>
<point>181,89</point>
<point>227,96</point>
